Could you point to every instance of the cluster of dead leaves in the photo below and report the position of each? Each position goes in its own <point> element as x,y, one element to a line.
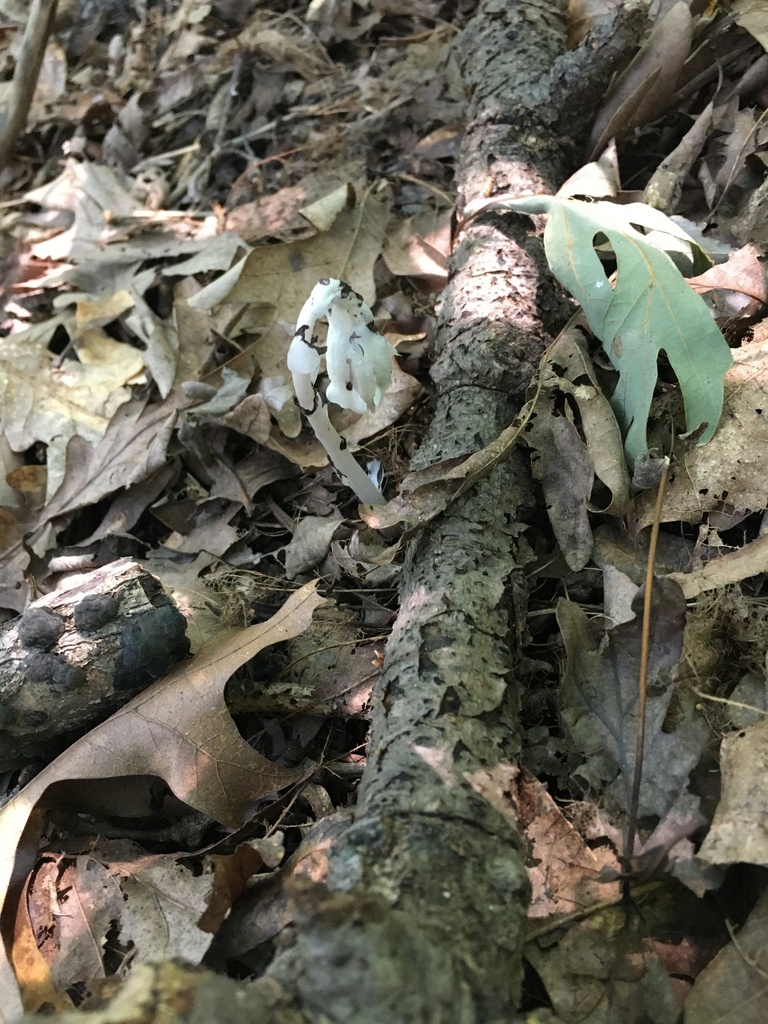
<point>152,281</point>
<point>215,167</point>
<point>707,677</point>
<point>128,274</point>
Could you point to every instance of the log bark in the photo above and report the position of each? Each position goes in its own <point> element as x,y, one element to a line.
<point>79,653</point>
<point>423,914</point>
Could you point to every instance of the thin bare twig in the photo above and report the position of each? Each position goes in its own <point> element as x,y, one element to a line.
<point>14,117</point>
<point>645,643</point>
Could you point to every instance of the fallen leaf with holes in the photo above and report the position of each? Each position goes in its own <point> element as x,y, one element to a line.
<point>78,908</point>
<point>68,908</point>
<point>728,474</point>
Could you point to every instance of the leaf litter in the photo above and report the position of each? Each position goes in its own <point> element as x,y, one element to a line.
<point>156,266</point>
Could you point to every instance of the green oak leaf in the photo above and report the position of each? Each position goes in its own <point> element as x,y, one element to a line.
<point>650,308</point>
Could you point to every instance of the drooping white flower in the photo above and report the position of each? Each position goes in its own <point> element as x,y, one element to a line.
<point>358,362</point>
<point>357,359</point>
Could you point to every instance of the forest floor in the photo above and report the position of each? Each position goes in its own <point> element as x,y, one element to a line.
<point>186,175</point>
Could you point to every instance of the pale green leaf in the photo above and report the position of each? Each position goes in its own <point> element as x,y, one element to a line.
<point>650,308</point>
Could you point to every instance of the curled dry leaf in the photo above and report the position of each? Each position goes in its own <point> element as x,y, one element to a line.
<point>567,457</point>
<point>647,87</point>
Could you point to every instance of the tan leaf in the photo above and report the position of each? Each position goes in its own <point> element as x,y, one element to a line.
<point>275,280</point>
<point>737,833</point>
<point>178,729</point>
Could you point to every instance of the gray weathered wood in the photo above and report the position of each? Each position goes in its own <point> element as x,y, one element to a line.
<point>81,652</point>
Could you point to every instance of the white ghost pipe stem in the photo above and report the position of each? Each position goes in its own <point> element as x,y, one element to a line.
<point>359,366</point>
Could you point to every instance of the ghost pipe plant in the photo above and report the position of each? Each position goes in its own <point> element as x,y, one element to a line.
<point>358,362</point>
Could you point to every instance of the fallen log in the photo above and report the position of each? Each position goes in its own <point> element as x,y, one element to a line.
<point>78,654</point>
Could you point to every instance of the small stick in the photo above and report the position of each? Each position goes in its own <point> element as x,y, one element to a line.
<point>14,117</point>
<point>643,681</point>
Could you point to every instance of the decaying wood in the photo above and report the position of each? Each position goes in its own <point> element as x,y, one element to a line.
<point>81,652</point>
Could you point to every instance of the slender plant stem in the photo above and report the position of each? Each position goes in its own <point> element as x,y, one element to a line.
<point>645,643</point>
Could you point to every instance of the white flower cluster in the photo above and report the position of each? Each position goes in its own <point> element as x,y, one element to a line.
<point>358,362</point>
<point>357,359</point>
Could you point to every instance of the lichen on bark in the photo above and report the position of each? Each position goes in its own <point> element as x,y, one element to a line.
<point>423,914</point>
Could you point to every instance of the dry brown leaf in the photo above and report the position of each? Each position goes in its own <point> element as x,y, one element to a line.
<point>601,431</point>
<point>561,463</point>
<point>420,246</point>
<point>310,543</point>
<point>132,449</point>
<point>91,312</point>
<point>250,417</point>
<point>666,184</point>
<point>599,704</point>
<point>727,474</point>
<point>742,564</point>
<point>737,833</point>
<point>254,922</point>
<point>134,446</point>
<point>72,905</point>
<point>231,873</point>
<point>131,502</point>
<point>32,970</point>
<point>742,272</point>
<point>563,870</point>
<point>647,87</point>
<point>180,730</point>
<point>280,215</point>
<point>322,213</point>
<point>162,902</point>
<point>208,529</point>
<point>48,399</point>
<point>570,450</point>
